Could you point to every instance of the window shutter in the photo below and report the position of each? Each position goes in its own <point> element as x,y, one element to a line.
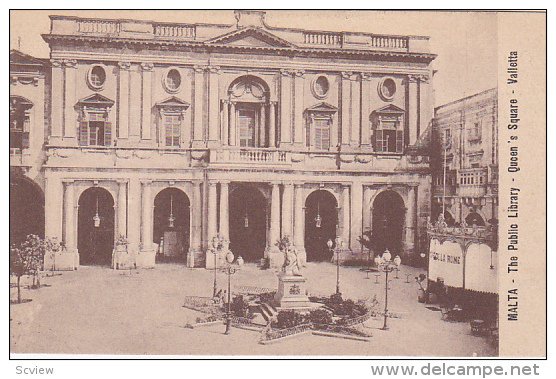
<point>399,141</point>
<point>83,137</point>
<point>25,140</point>
<point>378,141</point>
<point>107,133</point>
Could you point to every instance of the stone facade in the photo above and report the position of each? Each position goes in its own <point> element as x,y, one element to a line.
<point>466,140</point>
<point>257,131</point>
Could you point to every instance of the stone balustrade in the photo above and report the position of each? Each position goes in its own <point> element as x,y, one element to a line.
<point>174,31</point>
<point>390,42</point>
<point>319,38</point>
<point>98,26</point>
<point>250,155</point>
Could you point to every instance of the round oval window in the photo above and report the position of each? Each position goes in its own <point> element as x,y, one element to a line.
<point>173,80</point>
<point>321,86</point>
<point>97,77</point>
<point>388,88</point>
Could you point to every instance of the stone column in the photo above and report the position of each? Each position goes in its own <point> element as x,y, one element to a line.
<point>367,195</point>
<point>135,99</point>
<point>134,215</point>
<point>425,104</point>
<point>285,106</point>
<point>355,111</point>
<point>122,211</point>
<point>345,108</point>
<point>146,257</point>
<point>287,221</point>
<point>275,258</point>
<point>272,124</point>
<point>56,111</point>
<point>147,217</point>
<point>198,135</point>
<point>299,222</point>
<point>123,103</point>
<point>356,216</point>
<point>224,229</point>
<point>298,108</point>
<point>69,216</point>
<point>146,101</point>
<point>211,215</point>
<point>365,109</point>
<point>70,116</point>
<point>345,214</point>
<point>412,111</point>
<point>214,105</point>
<point>262,126</point>
<point>233,131</point>
<point>195,251</point>
<point>225,123</point>
<point>410,219</point>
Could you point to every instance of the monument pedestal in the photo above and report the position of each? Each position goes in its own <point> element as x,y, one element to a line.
<point>292,292</point>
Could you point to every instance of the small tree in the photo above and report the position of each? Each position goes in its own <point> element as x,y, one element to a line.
<point>26,258</point>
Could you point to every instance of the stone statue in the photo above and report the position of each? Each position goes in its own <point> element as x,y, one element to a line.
<point>291,262</point>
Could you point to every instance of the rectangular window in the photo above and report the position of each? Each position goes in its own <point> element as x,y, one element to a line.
<point>172,130</point>
<point>322,134</point>
<point>19,130</point>
<point>96,131</point>
<point>246,127</point>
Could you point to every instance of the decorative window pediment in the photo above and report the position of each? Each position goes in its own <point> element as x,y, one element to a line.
<point>248,90</point>
<point>322,107</point>
<point>173,105</point>
<point>96,101</point>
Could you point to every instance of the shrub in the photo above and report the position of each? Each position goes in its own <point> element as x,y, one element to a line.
<point>267,297</point>
<point>288,319</point>
<point>320,316</point>
<point>239,307</point>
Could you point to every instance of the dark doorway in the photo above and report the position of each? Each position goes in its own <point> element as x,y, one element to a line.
<point>248,209</point>
<point>26,210</point>
<point>171,225</point>
<point>95,239</point>
<point>474,218</point>
<point>388,222</point>
<point>321,221</point>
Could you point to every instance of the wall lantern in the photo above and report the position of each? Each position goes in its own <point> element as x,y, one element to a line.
<point>96,217</point>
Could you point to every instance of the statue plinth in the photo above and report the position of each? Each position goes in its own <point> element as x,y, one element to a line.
<point>292,292</point>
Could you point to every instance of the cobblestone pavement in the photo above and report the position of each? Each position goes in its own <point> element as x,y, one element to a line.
<point>95,310</point>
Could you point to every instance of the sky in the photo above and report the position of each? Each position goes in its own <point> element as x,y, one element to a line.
<point>465,42</point>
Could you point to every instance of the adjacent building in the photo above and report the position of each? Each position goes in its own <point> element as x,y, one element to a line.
<point>159,136</point>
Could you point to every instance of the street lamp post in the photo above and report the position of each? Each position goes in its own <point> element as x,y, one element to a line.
<point>215,252</point>
<point>338,248</point>
<point>386,265</point>
<point>230,270</point>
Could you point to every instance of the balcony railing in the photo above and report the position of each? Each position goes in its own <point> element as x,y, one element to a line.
<point>250,155</point>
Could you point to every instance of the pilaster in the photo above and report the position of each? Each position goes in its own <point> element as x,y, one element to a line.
<point>146,100</point>
<point>285,106</point>
<point>298,108</point>
<point>123,101</point>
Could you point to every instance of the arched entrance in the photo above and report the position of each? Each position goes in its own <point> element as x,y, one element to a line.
<point>388,222</point>
<point>321,221</point>
<point>26,210</point>
<point>95,235</point>
<point>248,209</point>
<point>171,225</point>
<point>474,218</point>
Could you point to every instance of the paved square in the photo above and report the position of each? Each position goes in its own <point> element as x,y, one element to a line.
<point>95,310</point>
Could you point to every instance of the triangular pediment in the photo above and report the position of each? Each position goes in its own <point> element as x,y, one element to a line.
<point>322,107</point>
<point>173,102</point>
<point>96,100</point>
<point>391,108</point>
<point>17,57</point>
<point>251,37</point>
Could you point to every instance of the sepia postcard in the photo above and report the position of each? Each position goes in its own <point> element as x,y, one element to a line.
<point>271,183</point>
